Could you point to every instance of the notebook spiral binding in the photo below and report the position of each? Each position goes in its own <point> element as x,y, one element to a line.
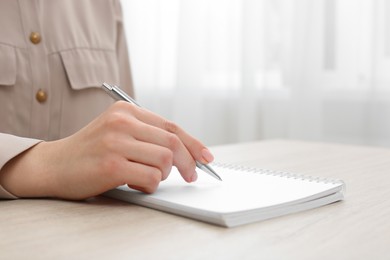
<point>238,167</point>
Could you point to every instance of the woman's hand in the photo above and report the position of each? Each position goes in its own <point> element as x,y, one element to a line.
<point>124,145</point>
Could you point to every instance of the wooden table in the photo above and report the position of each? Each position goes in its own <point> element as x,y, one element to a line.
<point>101,228</point>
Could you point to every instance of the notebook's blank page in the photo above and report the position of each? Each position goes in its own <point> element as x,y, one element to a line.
<point>239,191</point>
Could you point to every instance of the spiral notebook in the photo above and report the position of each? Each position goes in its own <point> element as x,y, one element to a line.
<point>244,196</point>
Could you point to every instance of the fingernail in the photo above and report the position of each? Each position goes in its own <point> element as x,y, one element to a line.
<point>194,177</point>
<point>207,156</point>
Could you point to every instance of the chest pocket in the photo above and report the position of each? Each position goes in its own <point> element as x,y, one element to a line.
<point>82,98</point>
<point>7,66</point>
<point>86,68</point>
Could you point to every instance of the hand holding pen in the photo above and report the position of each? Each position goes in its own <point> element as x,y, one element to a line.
<point>118,94</point>
<point>125,144</point>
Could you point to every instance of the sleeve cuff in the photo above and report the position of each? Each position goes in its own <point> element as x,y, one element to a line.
<point>4,194</point>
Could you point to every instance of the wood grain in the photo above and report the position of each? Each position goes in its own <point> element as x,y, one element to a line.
<point>99,228</point>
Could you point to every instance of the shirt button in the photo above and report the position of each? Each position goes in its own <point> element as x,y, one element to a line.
<point>41,96</point>
<point>35,37</point>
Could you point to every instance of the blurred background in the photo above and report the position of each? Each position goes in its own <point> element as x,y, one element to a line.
<point>240,70</point>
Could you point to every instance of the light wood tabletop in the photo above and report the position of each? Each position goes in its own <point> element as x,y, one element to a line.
<point>102,228</point>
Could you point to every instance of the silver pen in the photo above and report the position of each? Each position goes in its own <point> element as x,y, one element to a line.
<point>118,94</point>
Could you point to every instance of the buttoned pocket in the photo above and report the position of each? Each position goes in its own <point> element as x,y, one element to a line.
<point>88,68</point>
<point>7,66</point>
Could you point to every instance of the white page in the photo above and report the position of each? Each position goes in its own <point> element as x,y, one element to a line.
<point>239,190</point>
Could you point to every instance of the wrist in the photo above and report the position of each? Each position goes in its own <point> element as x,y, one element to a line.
<point>28,174</point>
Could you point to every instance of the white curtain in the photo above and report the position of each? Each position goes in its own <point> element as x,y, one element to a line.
<point>241,70</point>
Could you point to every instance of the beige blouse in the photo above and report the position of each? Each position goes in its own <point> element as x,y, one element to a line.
<point>54,56</point>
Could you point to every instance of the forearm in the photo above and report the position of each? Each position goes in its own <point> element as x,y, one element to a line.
<point>28,174</point>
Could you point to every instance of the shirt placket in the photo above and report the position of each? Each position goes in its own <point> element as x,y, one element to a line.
<point>39,69</point>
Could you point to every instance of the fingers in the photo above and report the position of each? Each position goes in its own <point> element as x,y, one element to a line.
<point>198,151</point>
<point>148,154</point>
<point>150,128</point>
<point>181,157</point>
<point>140,176</point>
